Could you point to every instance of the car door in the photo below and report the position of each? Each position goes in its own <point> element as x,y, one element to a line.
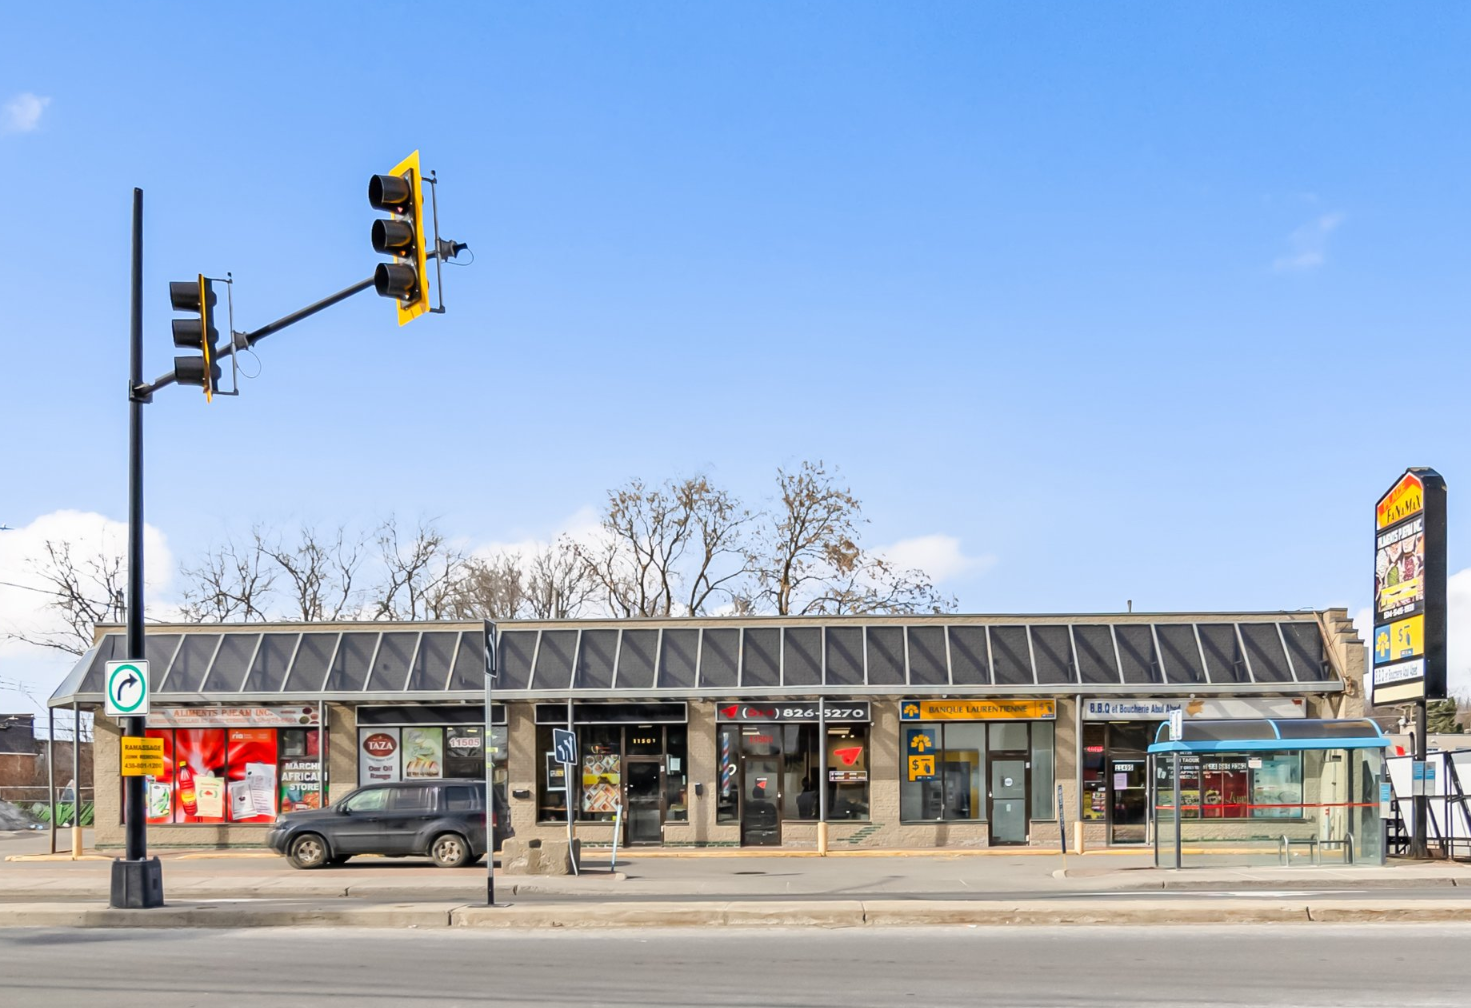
<point>411,811</point>
<point>359,822</point>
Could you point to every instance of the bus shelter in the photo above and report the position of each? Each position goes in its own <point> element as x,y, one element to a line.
<point>1253,792</point>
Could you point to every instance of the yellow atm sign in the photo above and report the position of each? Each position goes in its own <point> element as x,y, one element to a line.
<point>1402,639</point>
<point>142,757</point>
<point>977,710</point>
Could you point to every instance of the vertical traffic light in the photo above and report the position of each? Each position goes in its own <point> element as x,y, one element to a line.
<point>402,236</point>
<point>198,333</point>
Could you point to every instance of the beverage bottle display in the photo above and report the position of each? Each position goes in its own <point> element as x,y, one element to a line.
<point>187,796</point>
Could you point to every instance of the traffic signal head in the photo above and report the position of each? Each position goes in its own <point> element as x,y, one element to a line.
<point>197,297</point>
<point>405,279</point>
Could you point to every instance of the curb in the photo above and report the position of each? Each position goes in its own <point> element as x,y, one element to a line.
<point>832,914</point>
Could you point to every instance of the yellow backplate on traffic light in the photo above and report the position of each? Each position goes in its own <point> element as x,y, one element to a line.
<point>419,304</point>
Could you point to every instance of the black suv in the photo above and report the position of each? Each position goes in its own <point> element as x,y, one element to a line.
<point>444,819</point>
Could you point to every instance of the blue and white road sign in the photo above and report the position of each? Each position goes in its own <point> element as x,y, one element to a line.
<point>564,743</point>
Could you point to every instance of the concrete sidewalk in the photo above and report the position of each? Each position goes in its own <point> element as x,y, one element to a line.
<point>696,879</point>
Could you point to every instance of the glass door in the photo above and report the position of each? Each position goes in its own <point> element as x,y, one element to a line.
<point>1008,798</point>
<point>760,798</point>
<point>1128,786</point>
<point>643,801</point>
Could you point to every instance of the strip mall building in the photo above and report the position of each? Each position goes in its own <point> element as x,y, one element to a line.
<point>926,732</point>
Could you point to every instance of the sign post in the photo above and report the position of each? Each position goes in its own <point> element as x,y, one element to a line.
<point>564,744</point>
<point>1409,662</point>
<point>489,642</point>
<point>1061,827</point>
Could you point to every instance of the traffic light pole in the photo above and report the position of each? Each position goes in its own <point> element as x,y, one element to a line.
<point>137,883</point>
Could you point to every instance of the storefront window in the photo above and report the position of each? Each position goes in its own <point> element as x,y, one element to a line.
<point>953,785</point>
<point>727,805</point>
<point>551,805</point>
<point>601,770</point>
<point>1095,785</point>
<point>847,772</point>
<point>219,775</point>
<point>643,767</point>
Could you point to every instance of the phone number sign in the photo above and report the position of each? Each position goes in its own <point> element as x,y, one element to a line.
<point>800,710</point>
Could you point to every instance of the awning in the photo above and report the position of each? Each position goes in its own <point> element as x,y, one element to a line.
<point>1270,735</point>
<point>1200,654</point>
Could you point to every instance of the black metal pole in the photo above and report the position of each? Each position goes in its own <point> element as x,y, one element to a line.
<point>1420,803</point>
<point>135,822</point>
<point>137,882</point>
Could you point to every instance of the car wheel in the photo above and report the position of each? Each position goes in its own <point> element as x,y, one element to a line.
<point>307,851</point>
<point>339,859</point>
<point>450,850</point>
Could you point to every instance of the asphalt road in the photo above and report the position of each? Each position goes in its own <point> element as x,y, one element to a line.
<point>1260,966</point>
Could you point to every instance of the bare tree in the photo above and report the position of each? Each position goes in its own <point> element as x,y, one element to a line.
<point>422,572</point>
<point>490,588</point>
<point>230,582</point>
<point>322,571</point>
<point>559,584</point>
<point>84,593</point>
<point>667,549</point>
<point>807,559</point>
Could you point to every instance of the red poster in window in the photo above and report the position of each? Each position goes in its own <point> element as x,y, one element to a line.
<point>158,792</point>
<point>199,762</point>
<point>252,779</point>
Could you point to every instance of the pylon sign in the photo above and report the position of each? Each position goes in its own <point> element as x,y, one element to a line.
<point>127,689</point>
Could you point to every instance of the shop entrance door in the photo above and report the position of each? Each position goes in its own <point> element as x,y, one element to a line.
<point>1128,785</point>
<point>760,795</point>
<point>1007,802</point>
<point>643,809</point>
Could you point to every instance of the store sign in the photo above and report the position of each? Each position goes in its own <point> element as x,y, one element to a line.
<point>1160,708</point>
<point>800,710</point>
<point>142,757</point>
<point>378,755</point>
<point>919,751</point>
<point>232,717</point>
<point>1410,590</point>
<point>977,710</point>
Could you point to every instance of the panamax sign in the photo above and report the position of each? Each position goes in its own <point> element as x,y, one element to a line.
<point>1218,709</point>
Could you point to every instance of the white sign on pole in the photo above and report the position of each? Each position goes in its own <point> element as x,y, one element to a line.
<point>1177,725</point>
<point>127,689</point>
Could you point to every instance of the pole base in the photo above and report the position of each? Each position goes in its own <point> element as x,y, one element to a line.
<point>136,885</point>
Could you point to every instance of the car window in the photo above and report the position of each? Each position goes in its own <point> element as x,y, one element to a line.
<point>412,799</point>
<point>460,799</point>
<point>374,800</point>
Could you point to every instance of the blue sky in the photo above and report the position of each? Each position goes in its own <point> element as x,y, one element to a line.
<point>1140,301</point>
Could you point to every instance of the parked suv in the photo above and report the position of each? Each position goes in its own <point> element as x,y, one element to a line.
<point>443,819</point>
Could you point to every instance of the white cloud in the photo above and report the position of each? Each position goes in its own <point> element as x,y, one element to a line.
<point>581,526</point>
<point>22,114</point>
<point>939,556</point>
<point>24,598</point>
<point>1308,245</point>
